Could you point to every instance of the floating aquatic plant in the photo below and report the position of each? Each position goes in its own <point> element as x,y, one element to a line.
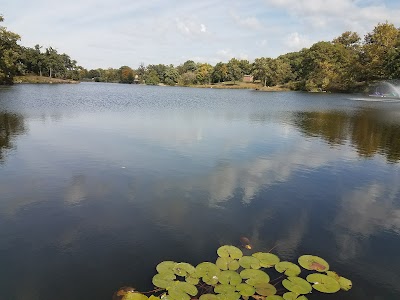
<point>234,276</point>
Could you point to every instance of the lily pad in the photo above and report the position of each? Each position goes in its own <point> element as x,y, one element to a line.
<point>134,296</point>
<point>293,296</point>
<point>166,266</point>
<point>224,289</point>
<point>209,272</point>
<point>333,274</point>
<point>183,269</point>
<point>249,262</point>
<point>254,277</point>
<point>207,268</point>
<point>229,296</point>
<point>229,251</point>
<point>313,263</point>
<point>193,278</point>
<point>152,297</point>
<point>163,280</point>
<point>230,277</point>
<point>267,260</point>
<point>265,289</point>
<point>297,285</point>
<point>208,297</point>
<point>345,284</point>
<point>227,263</point>
<point>274,297</point>
<point>245,289</point>
<point>182,290</point>
<point>288,268</point>
<point>324,283</point>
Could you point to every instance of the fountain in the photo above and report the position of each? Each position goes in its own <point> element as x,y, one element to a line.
<point>385,89</point>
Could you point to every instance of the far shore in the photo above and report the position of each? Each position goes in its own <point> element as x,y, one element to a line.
<point>242,85</point>
<point>41,80</point>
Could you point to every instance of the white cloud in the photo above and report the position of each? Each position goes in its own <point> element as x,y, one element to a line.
<point>247,22</point>
<point>296,41</point>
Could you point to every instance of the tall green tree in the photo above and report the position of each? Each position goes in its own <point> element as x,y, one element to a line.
<point>219,73</point>
<point>378,45</point>
<point>235,73</point>
<point>9,54</point>
<point>262,70</point>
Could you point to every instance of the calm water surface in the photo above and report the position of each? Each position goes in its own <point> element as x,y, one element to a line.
<point>100,182</point>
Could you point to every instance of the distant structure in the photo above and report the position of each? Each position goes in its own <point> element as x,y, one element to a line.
<point>136,80</point>
<point>248,78</point>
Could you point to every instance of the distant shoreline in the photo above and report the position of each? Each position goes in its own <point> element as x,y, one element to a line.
<point>42,80</point>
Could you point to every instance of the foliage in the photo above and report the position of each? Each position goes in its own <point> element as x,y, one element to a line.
<point>9,53</point>
<point>208,281</point>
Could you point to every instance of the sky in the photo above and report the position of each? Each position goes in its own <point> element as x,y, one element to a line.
<point>104,33</point>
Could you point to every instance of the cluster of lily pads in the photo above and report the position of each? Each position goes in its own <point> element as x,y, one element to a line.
<point>236,276</point>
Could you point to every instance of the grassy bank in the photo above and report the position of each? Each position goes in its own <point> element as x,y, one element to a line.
<point>241,85</point>
<point>41,79</point>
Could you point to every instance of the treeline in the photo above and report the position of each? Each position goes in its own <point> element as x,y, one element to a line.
<point>19,60</point>
<point>346,63</point>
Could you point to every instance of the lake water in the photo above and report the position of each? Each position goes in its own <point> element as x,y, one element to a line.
<point>101,182</point>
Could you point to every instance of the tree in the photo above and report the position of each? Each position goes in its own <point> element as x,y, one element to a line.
<point>126,75</point>
<point>235,73</point>
<point>262,70</point>
<point>378,45</point>
<point>171,75</point>
<point>219,73</point>
<point>9,54</point>
<point>188,66</point>
<point>203,73</point>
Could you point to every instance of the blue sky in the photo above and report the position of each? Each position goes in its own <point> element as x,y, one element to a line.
<point>104,33</point>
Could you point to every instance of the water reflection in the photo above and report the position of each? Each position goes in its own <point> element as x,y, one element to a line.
<point>368,130</point>
<point>11,125</point>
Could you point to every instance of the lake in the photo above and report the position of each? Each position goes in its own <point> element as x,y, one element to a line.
<point>101,182</point>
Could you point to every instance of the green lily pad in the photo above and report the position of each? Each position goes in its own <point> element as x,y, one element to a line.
<point>181,290</point>
<point>229,296</point>
<point>254,277</point>
<point>207,268</point>
<point>288,268</point>
<point>267,260</point>
<point>152,297</point>
<point>230,277</point>
<point>345,284</point>
<point>166,266</point>
<point>192,278</point>
<point>323,283</point>
<point>333,274</point>
<point>229,251</point>
<point>163,280</point>
<point>183,269</point>
<point>208,297</point>
<point>313,263</point>
<point>297,285</point>
<point>249,262</point>
<point>245,289</point>
<point>224,289</point>
<point>227,263</point>
<point>293,296</point>
<point>209,272</point>
<point>134,296</point>
<point>177,295</point>
<point>274,297</point>
<point>265,289</point>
